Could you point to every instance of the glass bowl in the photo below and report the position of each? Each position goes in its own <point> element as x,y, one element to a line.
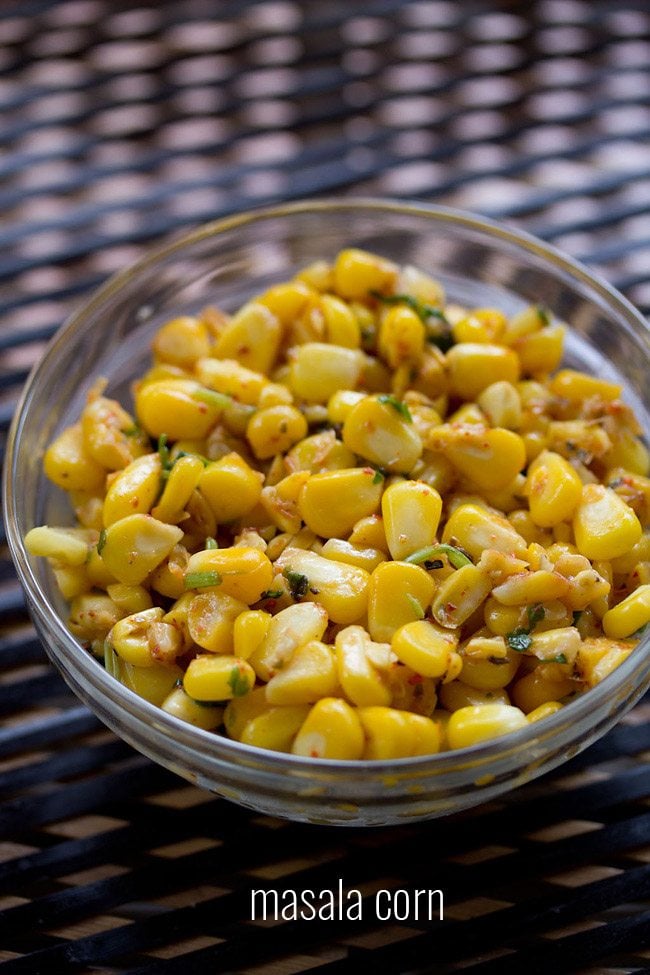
<point>224,263</point>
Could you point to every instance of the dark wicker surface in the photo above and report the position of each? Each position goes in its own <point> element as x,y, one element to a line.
<point>121,123</point>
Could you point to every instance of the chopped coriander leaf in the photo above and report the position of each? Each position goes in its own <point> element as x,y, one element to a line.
<point>212,397</point>
<point>498,661</point>
<point>415,606</point>
<point>421,308</point>
<point>387,399</point>
<point>186,453</point>
<point>101,541</point>
<point>519,640</point>
<point>201,580</point>
<point>298,583</point>
<point>209,704</point>
<point>211,543</point>
<point>543,314</point>
<point>536,614</point>
<point>456,556</point>
<point>380,476</point>
<point>238,682</point>
<point>577,613</point>
<point>133,431</point>
<point>163,451</point>
<point>272,594</point>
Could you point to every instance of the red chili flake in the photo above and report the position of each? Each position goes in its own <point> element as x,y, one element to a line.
<point>450,607</point>
<point>415,679</point>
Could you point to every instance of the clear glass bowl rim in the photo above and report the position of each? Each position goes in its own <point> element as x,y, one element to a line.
<point>634,669</point>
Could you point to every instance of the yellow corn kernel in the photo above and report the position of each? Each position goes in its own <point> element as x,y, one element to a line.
<point>275,728</point>
<point>218,678</point>
<point>252,337</point>
<point>487,664</point>
<point>169,578</point>
<point>501,619</point>
<point>413,281</point>
<point>211,620</point>
<point>369,533</point>
<point>229,377</point>
<point>280,502</point>
<point>130,640</point>
<point>71,581</point>
<point>317,275</point>
<point>341,324</point>
<point>289,629</point>
<point>179,408</point>
<point>341,589</point>
<point>332,729</point>
<point>501,404</point>
<point>133,490</point>
<point>554,489</point>
<point>357,273</point>
<point>88,509</point>
<point>230,486</point>
<point>361,682</point>
<point>250,630</point>
<point>289,300</point>
<point>274,394</point>
<point>65,545</point>
<point>599,656</point>
<point>309,675</point>
<point>629,615</point>
<point>543,711</point>
<point>436,471</point>
<point>318,453</point>
<point>274,430</point>
<point>153,683</point>
<point>240,710</point>
<point>628,452</point>
<point>331,503</point>
<point>541,352</point>
<point>69,465</point>
<point>129,599</point>
<point>470,328</point>
<point>135,545</point>
<point>342,551</point>
<point>340,404</point>
<point>179,486</point>
<point>92,615</point>
<point>604,526</point>
<point>536,688</point>
<point>474,366</point>
<point>483,722</point>
<point>240,571</point>
<point>521,520</point>
<point>639,552</point>
<point>460,595</point>
<point>531,587</point>
<point>391,733</point>
<point>399,593</point>
<point>490,458</point>
<point>318,370</point>
<point>528,321</point>
<point>456,695</point>
<point>401,336</point>
<point>578,386</point>
<point>377,429</point>
<point>411,512</point>
<point>425,648</point>
<point>570,437</point>
<point>109,434</point>
<point>181,705</point>
<point>182,341</point>
<point>474,529</point>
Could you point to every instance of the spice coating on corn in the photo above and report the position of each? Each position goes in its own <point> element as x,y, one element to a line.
<point>351,521</point>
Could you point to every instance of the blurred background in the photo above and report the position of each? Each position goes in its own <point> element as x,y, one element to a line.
<point>123,123</point>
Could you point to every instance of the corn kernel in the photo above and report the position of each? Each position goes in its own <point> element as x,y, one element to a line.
<point>501,404</point>
<point>411,512</point>
<point>179,704</point>
<point>135,545</point>
<point>275,728</point>
<point>543,711</point>
<point>240,571</point>
<point>357,273</point>
<point>331,503</point>
<point>332,729</point>
<point>252,337</point>
<point>541,352</point>
<point>604,526</point>
<point>318,370</point>
<point>474,366</point>
<point>578,386</point>
<point>341,324</point>
<point>490,458</point>
<point>178,408</point>
<point>473,725</point>
<point>182,341</point>
<point>230,486</point>
<point>377,430</point>
<point>289,629</point>
<point>401,336</point>
<point>460,595</point>
<point>362,683</point>
<point>275,429</point>
<point>536,688</point>
<point>474,529</point>
<point>217,678</point>
<point>341,589</point>
<point>424,647</point>
<point>250,630</point>
<point>629,615</point>
<point>309,675</point>
<point>62,544</point>
<point>456,695</point>
<point>69,465</point>
<point>342,551</point>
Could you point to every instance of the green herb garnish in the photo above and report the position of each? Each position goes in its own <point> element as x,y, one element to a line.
<point>238,683</point>
<point>387,399</point>
<point>163,452</point>
<point>133,431</point>
<point>212,397</point>
<point>415,606</point>
<point>543,314</point>
<point>202,580</point>
<point>298,583</point>
<point>559,658</point>
<point>519,640</point>
<point>272,594</point>
<point>380,475</point>
<point>577,613</point>
<point>455,556</point>
<point>536,614</point>
<point>211,543</point>
<point>101,541</point>
<point>435,321</point>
